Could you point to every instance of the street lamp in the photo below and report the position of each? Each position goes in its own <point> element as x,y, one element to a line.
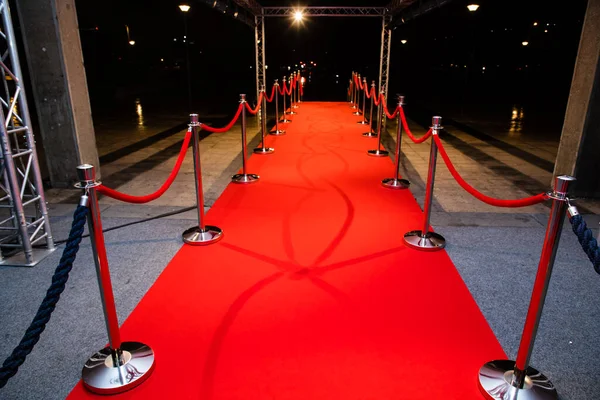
<point>473,7</point>
<point>131,42</point>
<point>403,41</point>
<point>185,8</point>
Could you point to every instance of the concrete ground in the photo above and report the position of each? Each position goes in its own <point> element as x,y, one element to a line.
<point>495,250</point>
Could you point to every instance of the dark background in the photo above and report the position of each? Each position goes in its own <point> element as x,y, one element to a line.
<point>439,69</point>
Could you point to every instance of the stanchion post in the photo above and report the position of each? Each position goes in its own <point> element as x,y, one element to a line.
<point>363,121</point>
<point>505,379</point>
<point>295,90</point>
<point>371,134</point>
<point>278,131</point>
<point>263,149</point>
<point>108,371</point>
<point>292,112</point>
<point>244,177</point>
<point>200,234</point>
<point>285,120</point>
<point>425,239</point>
<point>357,95</point>
<point>396,182</point>
<point>299,87</point>
<point>380,116</point>
<point>354,88</point>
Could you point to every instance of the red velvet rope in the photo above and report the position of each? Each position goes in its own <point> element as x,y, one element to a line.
<point>528,201</point>
<point>153,196</point>
<point>377,99</point>
<point>301,88</point>
<point>289,90</point>
<point>282,89</point>
<point>255,111</point>
<point>409,133</point>
<point>272,95</point>
<point>225,128</point>
<point>369,93</point>
<point>387,113</point>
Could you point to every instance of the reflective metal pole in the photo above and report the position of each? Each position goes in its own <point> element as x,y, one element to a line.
<point>354,88</point>
<point>371,134</point>
<point>291,112</point>
<point>396,182</point>
<point>424,239</point>
<point>505,379</point>
<point>200,234</point>
<point>108,371</point>
<point>381,115</point>
<point>277,131</point>
<point>357,112</point>
<point>263,149</point>
<point>296,89</point>
<point>364,102</point>
<point>244,177</point>
<point>285,120</point>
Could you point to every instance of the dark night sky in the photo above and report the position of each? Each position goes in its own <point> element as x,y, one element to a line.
<point>223,48</point>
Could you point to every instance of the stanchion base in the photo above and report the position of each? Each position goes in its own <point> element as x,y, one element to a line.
<point>245,178</point>
<point>263,150</point>
<point>295,106</point>
<point>429,242</point>
<point>378,153</point>
<point>278,133</point>
<point>495,379</point>
<point>285,121</point>
<point>353,107</point>
<point>394,183</point>
<point>292,113</point>
<point>370,134</point>
<point>363,122</point>
<point>101,376</point>
<point>201,237</point>
<point>356,113</point>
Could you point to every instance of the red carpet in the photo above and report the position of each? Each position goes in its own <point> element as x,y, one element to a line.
<point>312,294</point>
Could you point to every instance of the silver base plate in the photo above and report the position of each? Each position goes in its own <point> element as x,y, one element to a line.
<point>201,237</point>
<point>356,113</point>
<point>363,122</point>
<point>394,183</point>
<point>353,107</point>
<point>19,259</point>
<point>264,150</point>
<point>429,242</point>
<point>101,376</point>
<point>245,178</point>
<point>370,134</point>
<point>292,113</point>
<point>285,121</point>
<point>378,153</point>
<point>277,133</point>
<point>495,379</point>
<point>295,106</point>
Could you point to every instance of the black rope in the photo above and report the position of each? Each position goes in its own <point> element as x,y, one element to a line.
<point>587,240</point>
<point>59,280</point>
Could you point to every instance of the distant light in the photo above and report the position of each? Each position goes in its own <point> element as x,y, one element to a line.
<point>132,42</point>
<point>483,68</point>
<point>235,14</point>
<point>337,76</point>
<point>289,68</point>
<point>174,39</point>
<point>473,7</point>
<point>184,7</point>
<point>315,64</point>
<point>266,67</point>
<point>298,16</point>
<point>545,30</point>
<point>162,60</point>
<point>258,41</point>
<point>524,43</point>
<point>547,24</point>
<point>403,41</point>
<point>215,3</point>
<point>535,24</point>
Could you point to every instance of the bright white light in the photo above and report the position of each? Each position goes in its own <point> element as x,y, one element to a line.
<point>337,76</point>
<point>132,42</point>
<point>403,41</point>
<point>184,7</point>
<point>545,30</point>
<point>162,59</point>
<point>235,14</point>
<point>298,16</point>
<point>535,24</point>
<point>483,68</point>
<point>473,7</point>
<point>289,68</point>
<point>524,43</point>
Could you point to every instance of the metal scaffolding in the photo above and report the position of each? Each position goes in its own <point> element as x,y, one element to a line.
<point>25,236</point>
<point>325,11</point>
<point>259,46</point>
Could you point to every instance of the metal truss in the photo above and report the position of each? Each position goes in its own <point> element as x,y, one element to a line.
<point>325,11</point>
<point>235,10</point>
<point>23,213</point>
<point>396,6</point>
<point>259,46</point>
<point>384,59</point>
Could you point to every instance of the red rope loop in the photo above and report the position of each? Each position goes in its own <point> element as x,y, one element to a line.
<point>153,196</point>
<point>409,133</point>
<point>528,201</point>
<point>387,113</point>
<point>272,95</point>
<point>369,93</point>
<point>225,128</point>
<point>377,99</point>
<point>289,90</point>
<point>282,89</point>
<point>255,110</point>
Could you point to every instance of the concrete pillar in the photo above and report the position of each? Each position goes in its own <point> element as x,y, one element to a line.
<point>579,149</point>
<point>53,51</point>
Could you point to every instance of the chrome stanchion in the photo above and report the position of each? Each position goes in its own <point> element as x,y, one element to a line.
<point>244,177</point>
<point>396,182</point>
<point>357,112</point>
<point>263,149</point>
<point>200,234</point>
<point>505,379</point>
<point>380,116</point>
<point>354,89</point>
<point>295,90</point>
<point>277,131</point>
<point>291,112</point>
<point>364,119</point>
<point>371,134</point>
<point>284,119</point>
<point>121,365</point>
<point>424,239</point>
<point>299,86</point>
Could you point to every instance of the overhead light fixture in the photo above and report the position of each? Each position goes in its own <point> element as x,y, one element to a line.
<point>298,16</point>
<point>184,7</point>
<point>473,7</point>
<point>535,24</point>
<point>403,41</point>
<point>235,14</point>
<point>525,43</point>
<point>132,42</point>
